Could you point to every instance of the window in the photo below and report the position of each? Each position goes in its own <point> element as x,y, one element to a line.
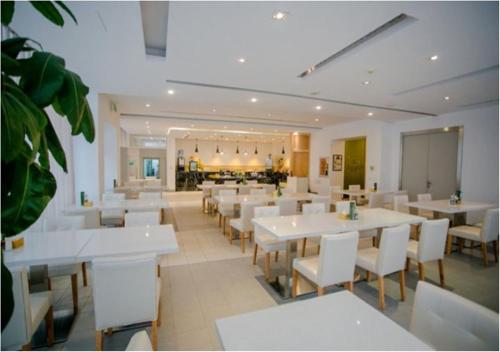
<point>151,168</point>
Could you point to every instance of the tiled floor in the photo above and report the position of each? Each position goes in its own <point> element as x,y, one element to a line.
<point>210,279</point>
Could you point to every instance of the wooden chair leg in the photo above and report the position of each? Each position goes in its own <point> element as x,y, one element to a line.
<point>267,266</point>
<point>368,276</point>
<point>220,220</point>
<point>26,347</point>
<point>402,284</point>
<point>374,241</point>
<point>407,265</point>
<point>154,335</point>
<point>381,293</point>
<point>84,273</point>
<point>255,249</point>
<point>319,249</point>
<point>276,256</point>
<point>449,240</point>
<point>98,340</point>
<point>441,272</point>
<point>230,235</point>
<point>49,324</point>
<point>304,241</point>
<point>460,245</point>
<point>224,225</point>
<point>421,273</point>
<point>109,331</point>
<point>495,250</point>
<point>242,241</point>
<point>321,291</point>
<point>484,249</point>
<point>348,286</point>
<point>158,270</point>
<point>295,281</point>
<point>74,291</point>
<point>158,318</point>
<point>49,284</point>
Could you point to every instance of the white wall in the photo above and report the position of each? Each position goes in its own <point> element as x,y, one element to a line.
<point>337,177</point>
<point>110,156</point>
<point>480,149</point>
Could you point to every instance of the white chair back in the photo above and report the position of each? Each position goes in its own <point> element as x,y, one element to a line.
<point>112,197</point>
<point>265,212</point>
<point>227,192</point>
<point>354,188</point>
<point>244,190</point>
<point>432,240</point>
<point>149,195</point>
<point>247,211</point>
<point>376,200</point>
<point>252,182</point>
<point>446,321</point>
<point>326,200</point>
<point>287,190</point>
<point>143,218</point>
<point>424,197</point>
<point>255,191</point>
<point>337,258</point>
<point>125,290</point>
<point>392,249</point>
<point>230,182</point>
<point>489,230</point>
<point>343,206</point>
<point>287,206</point>
<point>313,208</point>
<point>18,331</point>
<point>398,203</point>
<point>207,191</point>
<point>64,223</point>
<point>208,183</point>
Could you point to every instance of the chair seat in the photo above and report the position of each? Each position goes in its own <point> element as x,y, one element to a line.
<point>367,259</point>
<point>468,232</point>
<point>226,211</point>
<point>63,270</point>
<point>268,243</point>
<point>237,224</point>
<point>412,249</point>
<point>40,304</point>
<point>158,290</point>
<point>308,267</point>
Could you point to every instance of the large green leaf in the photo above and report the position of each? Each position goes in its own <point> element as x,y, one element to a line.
<point>54,145</point>
<point>7,295</point>
<point>43,153</point>
<point>50,12</point>
<point>13,46</point>
<point>27,188</point>
<point>10,66</point>
<point>42,77</point>
<point>71,102</point>
<point>68,11</point>
<point>7,12</point>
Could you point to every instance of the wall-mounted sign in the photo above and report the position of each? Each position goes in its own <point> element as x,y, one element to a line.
<point>337,162</point>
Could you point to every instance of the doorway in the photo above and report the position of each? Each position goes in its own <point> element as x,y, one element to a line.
<point>355,153</point>
<point>430,162</point>
<point>151,167</point>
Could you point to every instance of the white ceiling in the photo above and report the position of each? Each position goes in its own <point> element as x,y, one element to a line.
<point>205,39</point>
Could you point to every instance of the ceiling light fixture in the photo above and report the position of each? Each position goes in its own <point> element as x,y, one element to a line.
<point>237,148</point>
<point>253,100</point>
<point>256,151</point>
<point>318,107</point>
<point>446,129</point>
<point>283,149</point>
<point>434,58</point>
<point>280,15</point>
<point>148,105</point>
<point>365,83</point>
<point>316,119</point>
<point>196,147</point>
<point>242,60</point>
<point>370,113</point>
<point>447,98</point>
<point>170,92</point>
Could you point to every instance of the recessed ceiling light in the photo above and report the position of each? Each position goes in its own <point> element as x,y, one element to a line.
<point>242,60</point>
<point>447,98</point>
<point>253,100</point>
<point>269,115</point>
<point>433,57</point>
<point>316,119</point>
<point>365,83</point>
<point>370,113</point>
<point>446,129</point>
<point>147,122</point>
<point>280,15</point>
<point>214,110</point>
<point>318,107</point>
<point>192,126</point>
<point>170,92</point>
<point>148,105</point>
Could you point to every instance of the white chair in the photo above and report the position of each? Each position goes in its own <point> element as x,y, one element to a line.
<point>149,195</point>
<point>387,259</point>
<point>376,200</point>
<point>230,182</point>
<point>326,200</point>
<point>225,211</point>
<point>266,241</point>
<point>312,208</point>
<point>334,264</point>
<point>112,216</point>
<point>354,188</point>
<point>139,342</point>
<point>29,311</point>
<point>424,197</point>
<point>211,203</point>
<point>257,191</point>
<point>244,190</point>
<point>343,206</point>
<point>143,218</point>
<point>287,206</point>
<point>206,192</point>
<point>430,247</point>
<point>270,188</point>
<point>252,182</point>
<point>448,322</point>
<point>67,223</point>
<point>336,196</point>
<point>484,235</point>
<point>399,202</point>
<point>126,291</point>
<point>244,223</point>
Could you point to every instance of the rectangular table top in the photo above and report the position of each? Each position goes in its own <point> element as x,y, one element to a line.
<point>338,321</point>
<point>126,204</point>
<point>299,226</point>
<point>360,192</point>
<point>65,247</point>
<point>245,198</point>
<point>251,185</point>
<point>444,206</point>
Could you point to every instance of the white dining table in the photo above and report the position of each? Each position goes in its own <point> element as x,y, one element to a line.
<point>233,186</point>
<point>126,204</point>
<point>264,198</point>
<point>337,321</point>
<point>291,228</point>
<point>457,211</point>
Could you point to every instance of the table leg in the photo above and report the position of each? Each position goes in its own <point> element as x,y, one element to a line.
<point>291,254</point>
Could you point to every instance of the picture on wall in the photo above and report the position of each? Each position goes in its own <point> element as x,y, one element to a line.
<point>323,166</point>
<point>337,162</point>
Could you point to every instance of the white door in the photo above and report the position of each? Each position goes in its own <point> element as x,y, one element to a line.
<point>429,164</point>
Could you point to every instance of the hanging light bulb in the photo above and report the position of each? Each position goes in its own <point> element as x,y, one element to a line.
<point>237,148</point>
<point>196,148</point>
<point>283,149</point>
<point>217,150</point>
<point>256,152</point>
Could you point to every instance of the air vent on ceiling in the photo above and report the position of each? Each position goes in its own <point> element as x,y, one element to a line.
<point>154,16</point>
<point>377,31</point>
